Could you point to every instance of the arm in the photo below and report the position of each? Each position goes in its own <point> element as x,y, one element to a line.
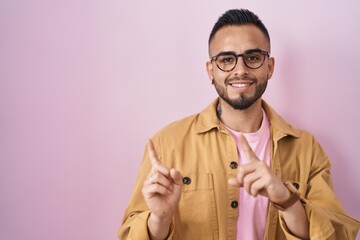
<point>327,218</point>
<point>324,211</point>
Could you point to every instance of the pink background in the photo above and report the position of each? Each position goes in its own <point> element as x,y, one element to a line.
<point>83,84</point>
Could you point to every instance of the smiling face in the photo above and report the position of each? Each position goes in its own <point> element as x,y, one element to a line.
<point>243,86</point>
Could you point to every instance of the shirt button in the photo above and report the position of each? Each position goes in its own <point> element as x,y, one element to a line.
<point>296,185</point>
<point>233,165</point>
<point>234,204</point>
<point>186,180</point>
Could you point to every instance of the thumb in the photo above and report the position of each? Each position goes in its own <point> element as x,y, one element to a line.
<point>234,182</point>
<point>176,176</point>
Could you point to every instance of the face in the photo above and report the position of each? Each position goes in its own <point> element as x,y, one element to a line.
<point>243,86</point>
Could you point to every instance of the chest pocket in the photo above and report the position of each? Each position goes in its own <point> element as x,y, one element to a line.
<point>197,215</point>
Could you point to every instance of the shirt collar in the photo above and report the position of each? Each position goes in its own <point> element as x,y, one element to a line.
<point>208,120</point>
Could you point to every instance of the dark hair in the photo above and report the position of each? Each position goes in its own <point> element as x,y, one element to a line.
<point>238,17</point>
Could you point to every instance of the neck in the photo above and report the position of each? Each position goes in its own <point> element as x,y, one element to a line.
<point>246,121</point>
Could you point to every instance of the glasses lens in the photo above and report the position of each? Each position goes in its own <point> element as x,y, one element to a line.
<point>226,62</point>
<point>253,60</point>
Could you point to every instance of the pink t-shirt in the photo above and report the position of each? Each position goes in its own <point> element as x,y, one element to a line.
<point>253,210</point>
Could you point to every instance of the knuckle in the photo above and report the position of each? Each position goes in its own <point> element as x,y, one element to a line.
<point>159,189</point>
<point>154,170</point>
<point>154,177</point>
<point>241,171</point>
<point>247,177</point>
<point>240,178</point>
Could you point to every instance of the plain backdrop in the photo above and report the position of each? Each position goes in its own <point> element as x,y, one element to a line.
<point>84,83</point>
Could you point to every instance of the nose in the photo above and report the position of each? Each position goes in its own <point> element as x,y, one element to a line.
<point>240,67</point>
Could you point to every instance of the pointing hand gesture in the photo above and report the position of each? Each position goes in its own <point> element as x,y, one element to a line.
<point>161,191</point>
<point>257,178</point>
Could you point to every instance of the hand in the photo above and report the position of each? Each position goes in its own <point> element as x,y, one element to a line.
<point>162,188</point>
<point>257,178</point>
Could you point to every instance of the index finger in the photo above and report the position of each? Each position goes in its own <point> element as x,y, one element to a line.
<point>156,164</point>
<point>250,154</point>
<point>152,153</point>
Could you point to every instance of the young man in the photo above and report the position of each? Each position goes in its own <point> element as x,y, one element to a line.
<point>236,170</point>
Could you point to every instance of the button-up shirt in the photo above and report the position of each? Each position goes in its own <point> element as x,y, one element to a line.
<point>203,151</point>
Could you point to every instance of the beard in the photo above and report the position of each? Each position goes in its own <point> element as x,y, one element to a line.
<point>242,102</point>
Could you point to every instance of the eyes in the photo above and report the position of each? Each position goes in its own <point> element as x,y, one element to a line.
<point>227,61</point>
<point>253,57</point>
<point>232,58</point>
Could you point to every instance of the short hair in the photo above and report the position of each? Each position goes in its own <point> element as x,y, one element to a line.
<point>238,17</point>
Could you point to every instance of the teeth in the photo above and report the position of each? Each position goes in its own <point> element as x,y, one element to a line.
<point>240,84</point>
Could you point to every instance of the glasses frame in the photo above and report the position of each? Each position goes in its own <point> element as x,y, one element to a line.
<point>262,52</point>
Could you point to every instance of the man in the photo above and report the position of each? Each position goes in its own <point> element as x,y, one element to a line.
<point>236,170</point>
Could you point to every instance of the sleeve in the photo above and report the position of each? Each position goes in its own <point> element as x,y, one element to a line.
<point>327,217</point>
<point>134,224</point>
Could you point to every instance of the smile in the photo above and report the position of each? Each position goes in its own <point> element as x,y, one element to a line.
<point>240,85</point>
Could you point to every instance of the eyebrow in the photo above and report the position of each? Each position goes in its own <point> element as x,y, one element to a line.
<point>232,52</point>
<point>254,50</point>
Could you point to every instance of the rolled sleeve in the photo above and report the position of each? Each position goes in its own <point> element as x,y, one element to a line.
<point>135,227</point>
<point>317,232</point>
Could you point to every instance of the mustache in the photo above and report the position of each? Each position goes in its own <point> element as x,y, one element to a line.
<point>239,78</point>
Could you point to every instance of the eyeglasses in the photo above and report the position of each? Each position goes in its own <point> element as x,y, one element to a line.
<point>227,61</point>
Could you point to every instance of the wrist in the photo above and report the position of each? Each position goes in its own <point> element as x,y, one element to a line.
<point>292,197</point>
<point>158,227</point>
<point>160,220</point>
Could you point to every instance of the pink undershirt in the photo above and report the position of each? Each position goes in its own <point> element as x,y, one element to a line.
<point>253,210</point>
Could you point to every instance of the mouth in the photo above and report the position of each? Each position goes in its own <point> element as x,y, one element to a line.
<point>240,84</point>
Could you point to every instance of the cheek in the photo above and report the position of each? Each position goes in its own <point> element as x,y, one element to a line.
<point>262,75</point>
<point>221,76</point>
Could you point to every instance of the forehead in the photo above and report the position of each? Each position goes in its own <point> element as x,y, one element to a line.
<point>238,39</point>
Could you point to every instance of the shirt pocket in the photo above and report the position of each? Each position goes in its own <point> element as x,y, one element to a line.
<point>197,215</point>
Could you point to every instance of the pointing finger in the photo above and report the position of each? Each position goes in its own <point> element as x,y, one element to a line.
<point>152,153</point>
<point>250,154</point>
<point>157,166</point>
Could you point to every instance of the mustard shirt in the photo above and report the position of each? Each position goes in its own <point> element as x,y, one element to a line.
<point>204,151</point>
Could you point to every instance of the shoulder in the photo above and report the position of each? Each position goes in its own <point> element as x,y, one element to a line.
<point>179,127</point>
<point>191,125</point>
<point>300,143</point>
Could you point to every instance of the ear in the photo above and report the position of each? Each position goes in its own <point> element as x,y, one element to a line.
<point>209,69</point>
<point>271,66</point>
